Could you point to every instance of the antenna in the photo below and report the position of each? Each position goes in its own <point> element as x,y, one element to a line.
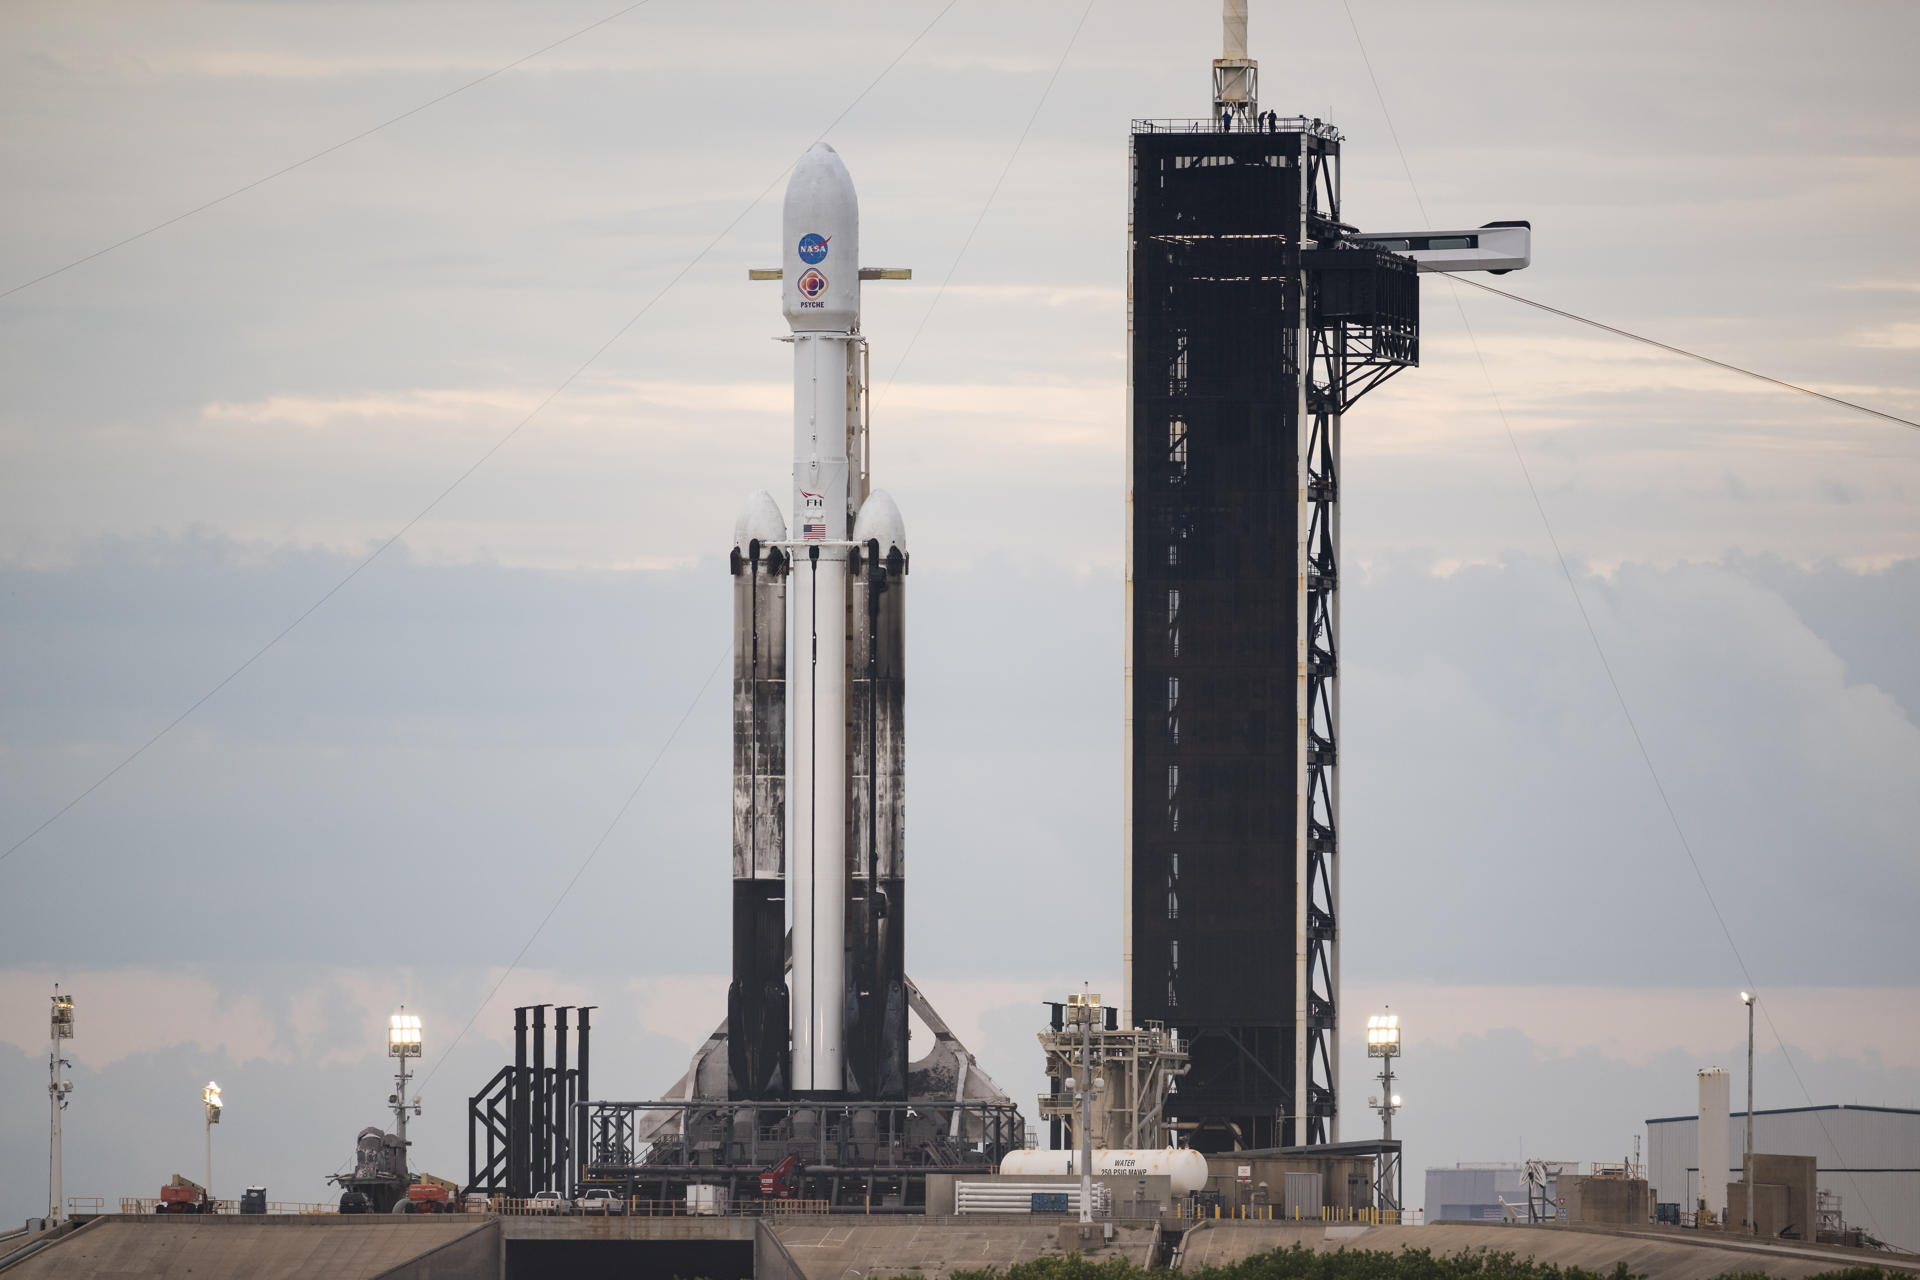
<point>1236,77</point>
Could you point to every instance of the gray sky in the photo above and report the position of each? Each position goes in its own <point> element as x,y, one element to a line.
<point>206,429</point>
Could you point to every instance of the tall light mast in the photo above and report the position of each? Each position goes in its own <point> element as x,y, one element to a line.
<point>403,1043</point>
<point>57,1091</point>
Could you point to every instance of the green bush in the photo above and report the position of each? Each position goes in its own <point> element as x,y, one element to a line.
<point>1301,1263</point>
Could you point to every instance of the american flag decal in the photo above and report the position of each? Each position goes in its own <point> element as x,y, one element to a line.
<point>813,532</point>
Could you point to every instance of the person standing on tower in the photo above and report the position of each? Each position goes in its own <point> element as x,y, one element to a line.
<point>1226,119</point>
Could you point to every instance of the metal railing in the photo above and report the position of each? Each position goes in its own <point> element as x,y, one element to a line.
<point>77,1205</point>
<point>755,1208</point>
<point>284,1208</point>
<point>1204,124</point>
<point>1274,1213</point>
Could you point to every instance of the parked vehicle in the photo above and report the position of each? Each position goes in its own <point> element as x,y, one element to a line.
<point>428,1197</point>
<point>704,1200</point>
<point>184,1195</point>
<point>782,1182</point>
<point>546,1202</point>
<point>253,1200</point>
<point>600,1200</point>
<point>355,1202</point>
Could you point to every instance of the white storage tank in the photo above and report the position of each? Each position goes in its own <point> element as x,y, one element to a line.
<point>1185,1170</point>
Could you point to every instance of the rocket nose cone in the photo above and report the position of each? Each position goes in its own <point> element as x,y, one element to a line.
<point>759,519</point>
<point>879,521</point>
<point>820,263</point>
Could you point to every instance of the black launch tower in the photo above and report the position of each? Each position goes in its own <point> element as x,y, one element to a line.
<point>1256,320</point>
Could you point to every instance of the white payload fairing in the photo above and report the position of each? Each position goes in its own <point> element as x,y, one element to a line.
<point>840,800</point>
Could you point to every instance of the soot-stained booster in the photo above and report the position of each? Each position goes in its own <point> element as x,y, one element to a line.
<point>818,820</point>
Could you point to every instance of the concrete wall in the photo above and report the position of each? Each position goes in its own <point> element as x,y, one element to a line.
<point>1618,1201</point>
<point>478,1255</point>
<point>1783,1197</point>
<point>427,1247</point>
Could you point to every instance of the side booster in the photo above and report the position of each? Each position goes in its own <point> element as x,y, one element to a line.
<point>837,1025</point>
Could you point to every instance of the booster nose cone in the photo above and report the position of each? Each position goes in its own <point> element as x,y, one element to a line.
<point>760,519</point>
<point>879,521</point>
<point>820,261</point>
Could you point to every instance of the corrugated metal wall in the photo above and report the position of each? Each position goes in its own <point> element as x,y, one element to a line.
<point>1875,1172</point>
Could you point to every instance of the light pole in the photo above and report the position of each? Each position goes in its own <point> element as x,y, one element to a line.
<point>1746,1164</point>
<point>210,1098</point>
<point>1383,1042</point>
<point>403,1042</point>
<point>57,1091</point>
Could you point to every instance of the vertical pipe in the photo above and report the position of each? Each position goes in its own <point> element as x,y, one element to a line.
<point>537,1103</point>
<point>586,1084</point>
<point>518,1111</point>
<point>562,1145</point>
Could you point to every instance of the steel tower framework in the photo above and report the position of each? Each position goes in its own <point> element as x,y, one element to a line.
<point>1255,321</point>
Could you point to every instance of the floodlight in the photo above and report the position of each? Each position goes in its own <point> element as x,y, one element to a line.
<point>1383,1035</point>
<point>62,1016</point>
<point>1746,997</point>
<point>211,1097</point>
<point>1396,1102</point>
<point>403,1035</point>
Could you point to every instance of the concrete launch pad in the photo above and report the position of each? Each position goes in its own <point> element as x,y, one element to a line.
<point>827,1248</point>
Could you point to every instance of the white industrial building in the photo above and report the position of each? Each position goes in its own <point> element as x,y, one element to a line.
<point>1869,1157</point>
<point>1473,1192</point>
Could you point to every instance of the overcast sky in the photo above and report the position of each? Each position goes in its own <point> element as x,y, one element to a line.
<point>205,430</point>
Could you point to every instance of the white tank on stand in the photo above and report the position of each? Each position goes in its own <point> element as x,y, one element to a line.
<point>1185,1170</point>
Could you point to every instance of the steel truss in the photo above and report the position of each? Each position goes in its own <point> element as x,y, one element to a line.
<point>1359,325</point>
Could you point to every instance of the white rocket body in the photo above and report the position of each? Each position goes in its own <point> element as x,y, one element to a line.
<point>820,273</point>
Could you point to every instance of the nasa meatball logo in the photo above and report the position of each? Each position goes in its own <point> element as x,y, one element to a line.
<point>811,285</point>
<point>813,248</point>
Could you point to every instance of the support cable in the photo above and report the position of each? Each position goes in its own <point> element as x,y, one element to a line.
<point>1593,635</point>
<point>323,152</point>
<point>494,448</point>
<point>586,862</point>
<point>1691,355</point>
<point>988,204</point>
